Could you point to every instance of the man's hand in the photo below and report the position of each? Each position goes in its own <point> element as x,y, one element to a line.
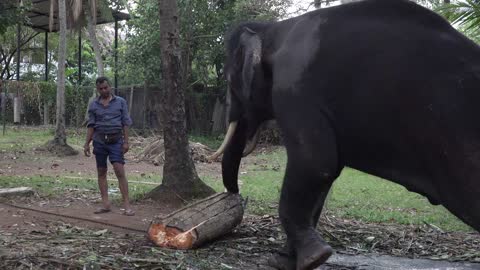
<point>86,149</point>
<point>125,147</point>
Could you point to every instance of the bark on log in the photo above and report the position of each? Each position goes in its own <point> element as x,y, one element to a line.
<point>198,223</point>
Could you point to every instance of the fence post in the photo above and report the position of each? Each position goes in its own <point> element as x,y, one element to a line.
<point>4,106</point>
<point>46,115</point>
<point>16,109</point>
<point>130,102</point>
<point>144,120</point>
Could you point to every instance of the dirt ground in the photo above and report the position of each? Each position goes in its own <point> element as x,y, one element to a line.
<point>43,240</point>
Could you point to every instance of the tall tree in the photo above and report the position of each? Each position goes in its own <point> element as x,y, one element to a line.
<point>59,143</point>
<point>180,179</point>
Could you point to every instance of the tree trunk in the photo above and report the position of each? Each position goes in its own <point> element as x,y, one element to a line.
<point>317,3</point>
<point>59,142</point>
<point>180,179</point>
<point>92,36</point>
<point>60,135</point>
<point>196,224</point>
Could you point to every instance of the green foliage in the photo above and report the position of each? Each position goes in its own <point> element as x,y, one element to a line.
<point>203,25</point>
<point>464,14</point>
<point>141,52</point>
<point>11,13</point>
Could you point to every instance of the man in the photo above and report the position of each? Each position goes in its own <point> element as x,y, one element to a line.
<point>108,122</point>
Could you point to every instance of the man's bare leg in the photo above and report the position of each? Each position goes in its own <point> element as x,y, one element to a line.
<point>123,184</point>
<point>103,186</point>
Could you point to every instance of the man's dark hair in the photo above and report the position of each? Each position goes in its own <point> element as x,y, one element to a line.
<point>101,80</point>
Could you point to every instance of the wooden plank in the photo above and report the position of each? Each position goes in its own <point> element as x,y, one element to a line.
<point>18,191</point>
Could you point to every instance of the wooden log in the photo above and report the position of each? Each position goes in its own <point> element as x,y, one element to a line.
<point>198,223</point>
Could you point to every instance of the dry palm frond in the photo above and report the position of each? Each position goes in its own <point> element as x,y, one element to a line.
<point>76,8</point>
<point>52,10</point>
<point>93,10</point>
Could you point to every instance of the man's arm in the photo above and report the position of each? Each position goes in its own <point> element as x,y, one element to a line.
<point>126,122</point>
<point>90,125</point>
<point>86,147</point>
<point>125,146</point>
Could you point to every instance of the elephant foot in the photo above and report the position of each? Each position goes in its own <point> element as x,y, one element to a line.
<point>312,252</point>
<point>282,261</point>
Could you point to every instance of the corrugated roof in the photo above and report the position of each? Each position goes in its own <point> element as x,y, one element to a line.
<point>39,15</point>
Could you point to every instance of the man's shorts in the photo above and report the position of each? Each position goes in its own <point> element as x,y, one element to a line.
<point>113,151</point>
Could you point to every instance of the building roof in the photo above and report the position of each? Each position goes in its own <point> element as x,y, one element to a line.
<point>39,15</point>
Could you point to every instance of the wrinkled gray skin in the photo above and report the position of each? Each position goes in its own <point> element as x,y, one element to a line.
<point>383,86</point>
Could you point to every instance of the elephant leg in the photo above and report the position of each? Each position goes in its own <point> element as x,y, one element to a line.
<point>319,207</point>
<point>298,205</point>
<point>285,259</point>
<point>312,167</point>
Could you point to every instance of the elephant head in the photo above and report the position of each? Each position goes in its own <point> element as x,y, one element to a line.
<point>248,98</point>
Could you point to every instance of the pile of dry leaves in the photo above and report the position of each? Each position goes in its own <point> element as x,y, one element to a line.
<point>154,151</point>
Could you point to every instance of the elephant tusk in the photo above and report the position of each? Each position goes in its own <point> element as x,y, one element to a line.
<point>226,140</point>
<point>252,144</point>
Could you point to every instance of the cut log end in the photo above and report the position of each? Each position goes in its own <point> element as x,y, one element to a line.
<point>198,223</point>
<point>169,237</point>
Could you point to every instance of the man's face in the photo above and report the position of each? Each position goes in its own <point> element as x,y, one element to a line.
<point>103,89</point>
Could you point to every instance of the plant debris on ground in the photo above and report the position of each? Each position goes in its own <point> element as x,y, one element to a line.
<point>64,245</point>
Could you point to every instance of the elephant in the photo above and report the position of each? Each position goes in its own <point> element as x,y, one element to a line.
<point>386,87</point>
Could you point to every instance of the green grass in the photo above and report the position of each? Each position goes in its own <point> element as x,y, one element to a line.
<point>21,138</point>
<point>51,187</point>
<point>365,197</point>
<point>355,195</point>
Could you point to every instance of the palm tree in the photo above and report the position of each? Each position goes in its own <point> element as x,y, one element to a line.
<point>464,14</point>
<point>59,143</point>
<point>180,179</point>
<point>77,14</point>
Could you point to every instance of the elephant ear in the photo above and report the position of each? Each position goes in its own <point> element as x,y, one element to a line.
<point>252,57</point>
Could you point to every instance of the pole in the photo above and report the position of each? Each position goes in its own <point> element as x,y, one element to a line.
<point>79,58</point>
<point>18,50</point>
<point>116,57</point>
<point>46,56</point>
<point>4,107</point>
